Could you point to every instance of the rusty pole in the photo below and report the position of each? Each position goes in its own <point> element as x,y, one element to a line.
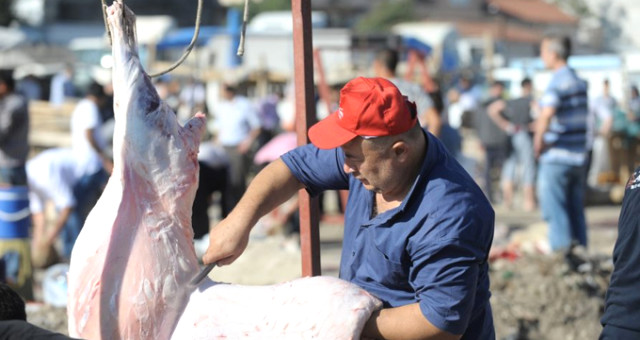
<point>305,117</point>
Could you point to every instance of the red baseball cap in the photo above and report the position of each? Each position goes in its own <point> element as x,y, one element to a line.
<point>369,107</point>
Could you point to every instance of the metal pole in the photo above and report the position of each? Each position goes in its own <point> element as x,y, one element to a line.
<point>305,117</point>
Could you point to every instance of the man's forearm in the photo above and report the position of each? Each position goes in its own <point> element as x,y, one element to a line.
<point>271,187</point>
<point>60,222</point>
<point>542,125</point>
<point>406,322</point>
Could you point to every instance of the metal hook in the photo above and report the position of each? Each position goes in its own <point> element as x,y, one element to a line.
<point>245,18</point>
<point>187,50</point>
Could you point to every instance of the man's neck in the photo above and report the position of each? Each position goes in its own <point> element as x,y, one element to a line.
<point>560,64</point>
<point>414,166</point>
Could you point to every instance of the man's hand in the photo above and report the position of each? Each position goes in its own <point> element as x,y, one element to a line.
<point>538,146</point>
<point>227,241</point>
<point>542,126</point>
<point>244,146</point>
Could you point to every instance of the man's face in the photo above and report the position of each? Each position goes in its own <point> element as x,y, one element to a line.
<point>371,166</point>
<point>547,56</point>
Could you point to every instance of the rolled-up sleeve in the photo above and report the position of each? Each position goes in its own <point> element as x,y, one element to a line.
<point>317,169</point>
<point>550,99</point>
<point>444,276</point>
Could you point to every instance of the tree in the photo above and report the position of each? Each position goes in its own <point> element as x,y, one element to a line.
<point>577,8</point>
<point>384,15</point>
<point>257,7</point>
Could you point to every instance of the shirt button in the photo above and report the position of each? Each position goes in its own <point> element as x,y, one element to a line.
<point>353,253</point>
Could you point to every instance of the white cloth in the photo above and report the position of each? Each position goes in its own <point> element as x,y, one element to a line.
<point>191,96</point>
<point>86,117</point>
<point>51,176</point>
<point>454,115</point>
<point>469,100</point>
<point>600,109</point>
<point>213,155</point>
<point>56,91</point>
<point>234,120</point>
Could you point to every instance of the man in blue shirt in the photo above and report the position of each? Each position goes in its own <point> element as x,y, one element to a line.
<point>417,228</point>
<point>560,143</point>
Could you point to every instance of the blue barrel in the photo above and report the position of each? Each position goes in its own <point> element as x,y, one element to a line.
<point>14,212</point>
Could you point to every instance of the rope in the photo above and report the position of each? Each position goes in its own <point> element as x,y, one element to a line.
<point>184,54</point>
<point>245,18</point>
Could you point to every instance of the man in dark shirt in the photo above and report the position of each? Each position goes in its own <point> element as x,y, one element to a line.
<point>621,319</point>
<point>13,324</point>
<point>494,141</point>
<point>514,117</point>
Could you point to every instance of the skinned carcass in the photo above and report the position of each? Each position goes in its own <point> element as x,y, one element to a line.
<point>131,266</point>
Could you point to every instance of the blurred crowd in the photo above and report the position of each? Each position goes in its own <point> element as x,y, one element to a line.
<point>487,129</point>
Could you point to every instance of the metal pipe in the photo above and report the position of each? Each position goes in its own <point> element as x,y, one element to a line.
<point>245,18</point>
<point>305,117</point>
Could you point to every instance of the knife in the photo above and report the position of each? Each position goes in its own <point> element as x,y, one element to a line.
<point>196,280</point>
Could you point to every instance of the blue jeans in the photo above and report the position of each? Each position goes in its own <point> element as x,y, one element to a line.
<point>521,154</point>
<point>86,193</point>
<point>561,192</point>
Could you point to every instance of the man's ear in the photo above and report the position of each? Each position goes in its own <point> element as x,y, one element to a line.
<point>400,149</point>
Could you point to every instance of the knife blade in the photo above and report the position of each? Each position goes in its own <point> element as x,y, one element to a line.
<point>198,278</point>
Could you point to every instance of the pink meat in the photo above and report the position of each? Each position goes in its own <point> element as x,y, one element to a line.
<point>130,268</point>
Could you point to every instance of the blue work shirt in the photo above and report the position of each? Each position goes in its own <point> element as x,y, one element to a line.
<point>432,249</point>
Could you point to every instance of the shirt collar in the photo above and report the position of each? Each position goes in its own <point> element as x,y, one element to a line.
<point>419,183</point>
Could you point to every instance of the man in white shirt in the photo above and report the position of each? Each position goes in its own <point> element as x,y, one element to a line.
<point>51,177</point>
<point>236,124</point>
<point>88,146</point>
<point>61,87</point>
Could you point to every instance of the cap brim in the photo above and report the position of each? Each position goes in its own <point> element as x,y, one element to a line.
<point>327,134</point>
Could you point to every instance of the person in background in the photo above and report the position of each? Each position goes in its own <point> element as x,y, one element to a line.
<point>92,162</point>
<point>607,146</point>
<point>560,145</point>
<point>236,125</point>
<point>495,142</point>
<point>449,136</point>
<point>14,133</point>
<point>51,176</point>
<point>469,100</point>
<point>633,130</point>
<point>62,87</point>
<point>192,99</point>
<point>454,109</point>
<point>269,118</point>
<point>29,87</point>
<point>514,117</point>
<point>417,227</point>
<point>621,312</point>
<point>13,319</point>
<point>14,148</point>
<point>213,177</point>
<point>384,65</point>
